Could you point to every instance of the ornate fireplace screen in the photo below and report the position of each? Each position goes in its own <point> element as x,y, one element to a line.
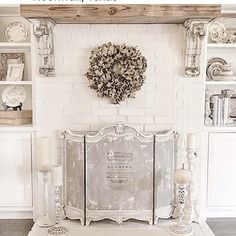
<point>127,175</point>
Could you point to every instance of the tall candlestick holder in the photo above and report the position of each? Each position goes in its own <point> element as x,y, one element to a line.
<point>192,202</point>
<point>181,228</point>
<point>58,229</point>
<point>45,220</point>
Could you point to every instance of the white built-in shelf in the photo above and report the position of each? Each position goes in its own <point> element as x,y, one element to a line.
<point>14,45</point>
<point>230,128</point>
<point>15,82</point>
<point>221,46</point>
<point>13,128</point>
<point>220,82</point>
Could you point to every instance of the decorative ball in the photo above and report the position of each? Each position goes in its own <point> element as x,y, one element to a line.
<point>116,71</point>
<point>182,176</point>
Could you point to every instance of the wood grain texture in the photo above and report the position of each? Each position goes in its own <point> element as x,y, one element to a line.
<point>135,13</point>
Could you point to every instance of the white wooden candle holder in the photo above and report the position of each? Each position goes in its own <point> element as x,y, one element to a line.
<point>192,203</point>
<point>181,228</point>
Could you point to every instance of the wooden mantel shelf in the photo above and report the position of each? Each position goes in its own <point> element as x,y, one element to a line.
<point>133,13</point>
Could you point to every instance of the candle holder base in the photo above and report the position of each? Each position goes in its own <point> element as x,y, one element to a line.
<point>58,230</point>
<point>45,221</point>
<point>181,229</point>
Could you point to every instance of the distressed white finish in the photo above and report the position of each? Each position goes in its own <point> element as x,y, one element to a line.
<point>74,176</point>
<point>119,175</point>
<point>165,165</point>
<point>119,165</point>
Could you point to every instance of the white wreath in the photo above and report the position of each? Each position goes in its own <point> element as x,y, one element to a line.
<point>116,71</point>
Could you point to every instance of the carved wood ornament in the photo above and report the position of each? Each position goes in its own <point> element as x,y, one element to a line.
<point>43,31</point>
<point>195,32</point>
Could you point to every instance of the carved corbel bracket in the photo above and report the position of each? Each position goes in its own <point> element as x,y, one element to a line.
<point>196,30</point>
<point>43,29</point>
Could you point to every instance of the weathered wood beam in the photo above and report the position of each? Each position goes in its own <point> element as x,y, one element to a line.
<point>133,13</point>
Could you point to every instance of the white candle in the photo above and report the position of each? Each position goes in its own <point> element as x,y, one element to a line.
<point>182,176</point>
<point>191,141</point>
<point>57,175</point>
<point>44,154</point>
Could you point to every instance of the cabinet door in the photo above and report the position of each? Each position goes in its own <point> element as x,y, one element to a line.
<point>222,170</point>
<point>15,170</point>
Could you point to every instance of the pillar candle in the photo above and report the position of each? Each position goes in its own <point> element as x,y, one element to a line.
<point>57,175</point>
<point>44,154</point>
<point>182,176</point>
<point>191,141</point>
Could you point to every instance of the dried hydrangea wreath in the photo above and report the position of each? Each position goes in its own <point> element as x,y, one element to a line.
<point>116,71</point>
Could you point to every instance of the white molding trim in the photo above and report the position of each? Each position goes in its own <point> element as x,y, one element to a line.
<point>16,214</point>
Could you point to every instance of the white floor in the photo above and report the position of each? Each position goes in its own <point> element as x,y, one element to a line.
<point>125,229</point>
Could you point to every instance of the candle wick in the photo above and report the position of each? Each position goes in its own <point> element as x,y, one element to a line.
<point>183,166</point>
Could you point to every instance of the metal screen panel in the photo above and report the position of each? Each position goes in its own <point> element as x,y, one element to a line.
<point>119,175</point>
<point>165,162</point>
<point>74,176</point>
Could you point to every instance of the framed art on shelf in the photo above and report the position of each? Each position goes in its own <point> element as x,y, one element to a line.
<point>15,72</point>
<point>9,58</point>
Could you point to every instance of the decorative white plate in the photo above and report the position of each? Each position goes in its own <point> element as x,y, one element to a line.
<point>16,32</point>
<point>14,95</point>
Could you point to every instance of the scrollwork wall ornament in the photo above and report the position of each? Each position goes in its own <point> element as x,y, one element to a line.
<point>219,34</point>
<point>196,32</point>
<point>116,71</point>
<point>43,32</point>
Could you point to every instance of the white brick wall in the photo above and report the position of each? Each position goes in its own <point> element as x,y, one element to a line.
<point>168,100</point>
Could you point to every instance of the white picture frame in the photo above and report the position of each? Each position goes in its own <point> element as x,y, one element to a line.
<point>15,72</point>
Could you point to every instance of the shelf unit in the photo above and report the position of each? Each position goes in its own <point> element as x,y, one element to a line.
<point>16,82</point>
<point>227,52</point>
<point>9,45</point>
<point>220,82</point>
<point>221,46</point>
<point>27,80</point>
<point>218,142</point>
<point>17,142</point>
